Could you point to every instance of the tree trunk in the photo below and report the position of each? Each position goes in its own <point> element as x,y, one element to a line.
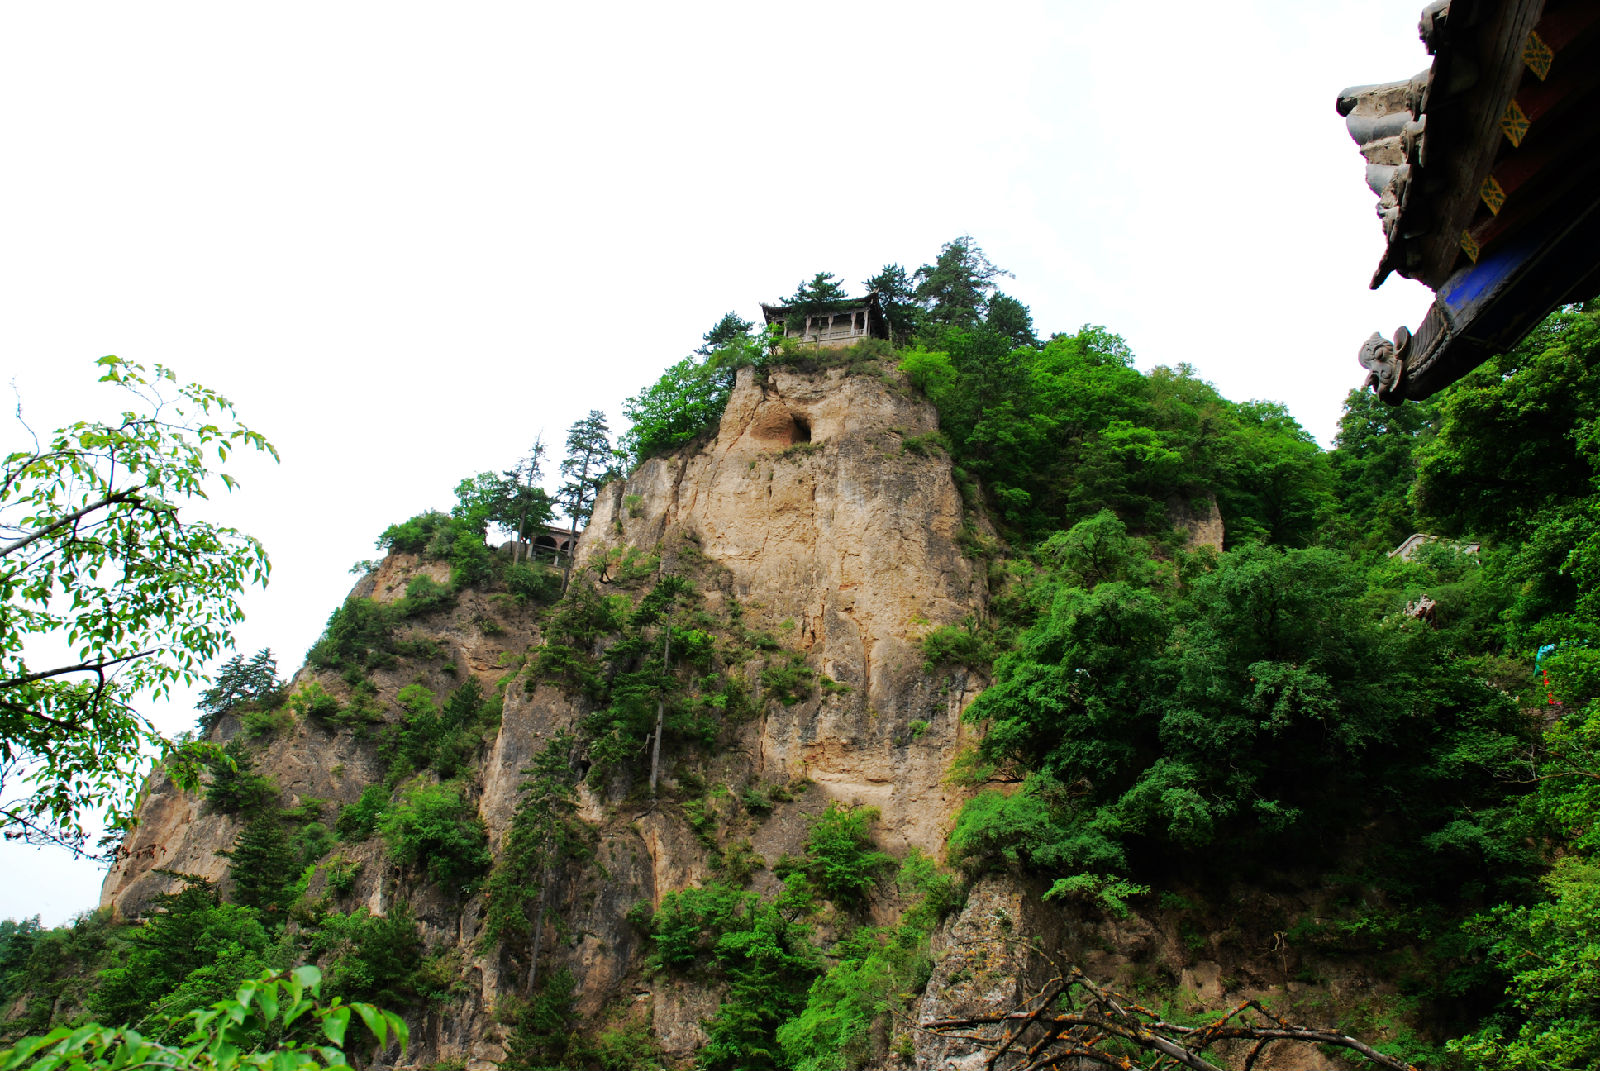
<point>538,927</point>
<point>661,711</point>
<point>572,531</point>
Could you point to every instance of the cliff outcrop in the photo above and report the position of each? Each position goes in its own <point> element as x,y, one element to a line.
<point>839,538</point>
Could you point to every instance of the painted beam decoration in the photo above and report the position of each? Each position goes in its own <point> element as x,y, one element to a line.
<point>1486,167</point>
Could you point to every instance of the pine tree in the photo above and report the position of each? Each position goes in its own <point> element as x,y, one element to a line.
<point>528,504</point>
<point>821,294</point>
<point>732,326</point>
<point>1011,319</point>
<point>239,682</point>
<point>899,301</point>
<point>261,864</point>
<point>956,288</point>
<point>586,468</point>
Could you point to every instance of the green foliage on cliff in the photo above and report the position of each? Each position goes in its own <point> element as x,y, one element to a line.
<point>760,950</point>
<point>844,866</point>
<point>1165,711</point>
<point>443,739</point>
<point>869,989</point>
<point>359,636</point>
<point>192,950</point>
<point>435,829</point>
<point>688,399</point>
<point>1057,433</point>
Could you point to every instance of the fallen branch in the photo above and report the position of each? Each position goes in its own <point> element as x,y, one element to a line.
<point>1072,1018</point>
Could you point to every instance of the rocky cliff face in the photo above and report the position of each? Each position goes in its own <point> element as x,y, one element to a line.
<point>843,542</point>
<point>820,513</point>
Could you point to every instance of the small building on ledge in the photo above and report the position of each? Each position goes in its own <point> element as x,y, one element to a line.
<point>552,543</point>
<point>843,323</point>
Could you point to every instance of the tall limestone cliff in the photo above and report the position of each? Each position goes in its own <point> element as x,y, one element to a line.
<point>822,524</point>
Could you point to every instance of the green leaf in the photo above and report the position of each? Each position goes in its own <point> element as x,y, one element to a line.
<point>334,1023</point>
<point>375,1021</point>
<point>295,1010</point>
<point>269,1001</point>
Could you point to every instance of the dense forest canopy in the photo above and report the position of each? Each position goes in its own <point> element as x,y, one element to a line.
<point>1419,737</point>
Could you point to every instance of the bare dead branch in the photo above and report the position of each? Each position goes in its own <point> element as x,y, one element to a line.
<point>1050,1029</point>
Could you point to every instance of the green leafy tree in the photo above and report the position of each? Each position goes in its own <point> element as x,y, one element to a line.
<point>685,402</point>
<point>1276,484</point>
<point>371,957</point>
<point>185,932</point>
<point>1374,465</point>
<point>1061,432</point>
<point>262,865</point>
<point>849,1012</point>
<point>235,787</point>
<point>1516,462</point>
<point>17,942</point>
<point>445,739</point>
<point>435,828</point>
<point>1551,953</point>
<point>512,500</point>
<point>93,554</point>
<point>359,635</point>
<point>843,864</point>
<point>760,949</point>
<point>528,507</point>
<point>1510,449</point>
<point>542,1027</point>
<point>545,833</point>
<point>413,535</point>
<point>238,682</point>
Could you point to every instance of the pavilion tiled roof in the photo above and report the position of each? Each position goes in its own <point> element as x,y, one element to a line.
<point>1487,171</point>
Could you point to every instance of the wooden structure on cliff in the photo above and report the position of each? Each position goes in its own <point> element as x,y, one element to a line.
<point>1487,171</point>
<point>842,323</point>
<point>553,543</point>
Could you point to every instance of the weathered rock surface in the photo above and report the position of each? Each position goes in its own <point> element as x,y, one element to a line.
<point>844,543</point>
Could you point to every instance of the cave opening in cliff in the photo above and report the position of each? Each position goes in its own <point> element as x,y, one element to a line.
<point>802,430</point>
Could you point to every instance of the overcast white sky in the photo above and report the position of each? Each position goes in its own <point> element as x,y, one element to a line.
<point>407,238</point>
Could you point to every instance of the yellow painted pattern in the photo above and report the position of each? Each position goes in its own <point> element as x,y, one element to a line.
<point>1515,123</point>
<point>1493,194</point>
<point>1538,56</point>
<point>1469,246</point>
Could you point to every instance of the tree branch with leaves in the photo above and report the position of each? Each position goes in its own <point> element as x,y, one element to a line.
<point>96,559</point>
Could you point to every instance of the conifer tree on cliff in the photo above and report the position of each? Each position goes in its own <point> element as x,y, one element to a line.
<point>899,301</point>
<point>524,503</point>
<point>732,326</point>
<point>587,466</point>
<point>955,289</point>
<point>815,296</point>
